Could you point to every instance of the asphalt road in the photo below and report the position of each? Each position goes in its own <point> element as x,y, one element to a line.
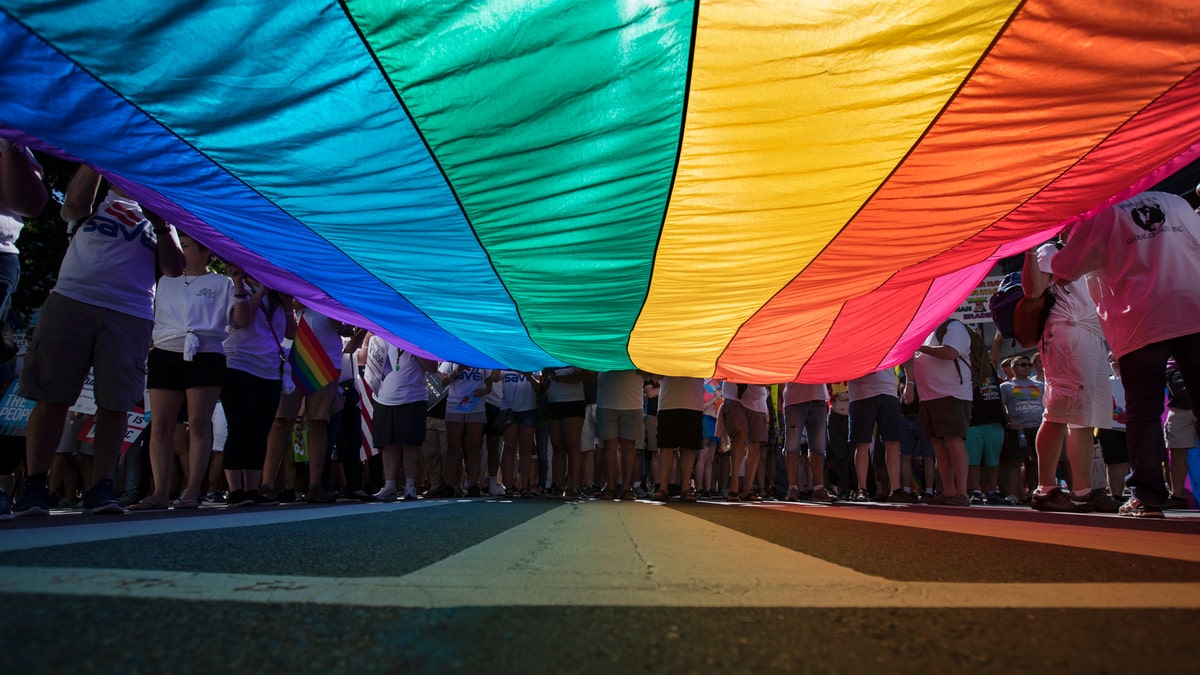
<point>538,586</point>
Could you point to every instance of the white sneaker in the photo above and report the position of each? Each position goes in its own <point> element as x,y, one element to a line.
<point>495,490</point>
<point>386,494</point>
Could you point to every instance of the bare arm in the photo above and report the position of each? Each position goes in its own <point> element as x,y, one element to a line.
<point>21,187</point>
<point>81,194</point>
<point>1034,282</point>
<point>997,345</point>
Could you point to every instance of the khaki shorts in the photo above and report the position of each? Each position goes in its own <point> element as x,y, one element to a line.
<point>68,334</point>
<point>317,405</point>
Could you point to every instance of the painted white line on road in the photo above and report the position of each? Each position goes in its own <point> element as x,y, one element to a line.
<point>405,592</point>
<point>166,523</point>
<point>604,555</point>
<point>1173,545</point>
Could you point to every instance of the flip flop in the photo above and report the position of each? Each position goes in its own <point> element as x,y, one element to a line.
<point>146,505</point>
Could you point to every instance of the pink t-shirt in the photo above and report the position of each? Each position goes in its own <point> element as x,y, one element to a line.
<point>1145,252</point>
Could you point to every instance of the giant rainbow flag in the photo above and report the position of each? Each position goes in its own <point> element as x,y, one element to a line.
<point>761,191</point>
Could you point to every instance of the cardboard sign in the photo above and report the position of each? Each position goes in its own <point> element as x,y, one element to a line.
<point>14,412</point>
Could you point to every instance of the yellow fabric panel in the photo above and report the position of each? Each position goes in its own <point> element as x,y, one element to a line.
<point>796,113</point>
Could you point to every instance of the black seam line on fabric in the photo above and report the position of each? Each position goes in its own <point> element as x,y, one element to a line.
<point>1042,189</point>
<point>687,92</point>
<point>916,144</point>
<point>225,171</point>
<point>449,184</point>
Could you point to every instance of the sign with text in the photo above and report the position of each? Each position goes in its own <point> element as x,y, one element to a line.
<point>974,309</point>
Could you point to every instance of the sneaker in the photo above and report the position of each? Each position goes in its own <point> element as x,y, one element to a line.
<point>286,496</point>
<point>1011,500</point>
<point>1173,503</point>
<point>976,497</point>
<point>660,495</point>
<point>688,495</point>
<point>628,495</point>
<point>860,496</point>
<point>570,494</point>
<point>1057,501</point>
<point>640,492</point>
<point>102,500</point>
<point>733,497</point>
<point>319,495</point>
<point>213,498</point>
<point>386,494</point>
<point>994,498</point>
<point>935,500</point>
<point>1136,508</point>
<point>496,490</point>
<point>5,506</point>
<point>410,495</point>
<point>608,494</point>
<point>1100,502</point>
<point>793,495</point>
<point>474,491</point>
<point>33,499</point>
<point>822,495</point>
<point>958,500</point>
<point>259,499</point>
<point>238,498</point>
<point>899,496</point>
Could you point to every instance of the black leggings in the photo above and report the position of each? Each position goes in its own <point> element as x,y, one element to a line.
<point>250,403</point>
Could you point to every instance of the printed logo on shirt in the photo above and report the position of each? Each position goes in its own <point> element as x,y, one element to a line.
<point>206,293</point>
<point>473,374</point>
<point>514,377</point>
<point>118,221</point>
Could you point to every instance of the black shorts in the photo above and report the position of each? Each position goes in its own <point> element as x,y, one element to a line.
<point>168,370</point>
<point>567,409</point>
<point>398,424</point>
<point>681,428</point>
<point>1112,445</point>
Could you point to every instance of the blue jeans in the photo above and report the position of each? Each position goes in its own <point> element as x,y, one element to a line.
<point>10,274</point>
<point>1143,372</point>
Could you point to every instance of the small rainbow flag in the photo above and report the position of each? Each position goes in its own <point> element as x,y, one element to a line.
<point>311,366</point>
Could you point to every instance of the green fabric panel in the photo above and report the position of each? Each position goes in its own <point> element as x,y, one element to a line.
<point>557,123</point>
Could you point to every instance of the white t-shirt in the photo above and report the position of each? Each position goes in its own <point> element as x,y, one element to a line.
<point>755,398</point>
<point>729,391</point>
<point>459,394</point>
<point>1072,301</point>
<point>879,382</point>
<point>404,376</point>
<point>939,378</point>
<point>795,392</point>
<point>1145,252</point>
<point>110,261</point>
<point>681,393</point>
<point>620,390</point>
<point>564,392</point>
<point>10,222</point>
<point>518,392</point>
<point>255,349</point>
<point>198,305</point>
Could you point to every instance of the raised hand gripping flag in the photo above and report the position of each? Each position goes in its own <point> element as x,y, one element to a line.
<point>311,366</point>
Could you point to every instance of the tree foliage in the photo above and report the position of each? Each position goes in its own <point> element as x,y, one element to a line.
<point>43,241</point>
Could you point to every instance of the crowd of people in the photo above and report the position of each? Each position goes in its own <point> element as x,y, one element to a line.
<point>139,304</point>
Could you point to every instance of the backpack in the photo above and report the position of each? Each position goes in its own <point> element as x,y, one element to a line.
<point>1017,317</point>
<point>1004,301</point>
<point>979,359</point>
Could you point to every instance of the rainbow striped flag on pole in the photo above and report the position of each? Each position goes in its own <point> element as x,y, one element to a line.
<point>312,368</point>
